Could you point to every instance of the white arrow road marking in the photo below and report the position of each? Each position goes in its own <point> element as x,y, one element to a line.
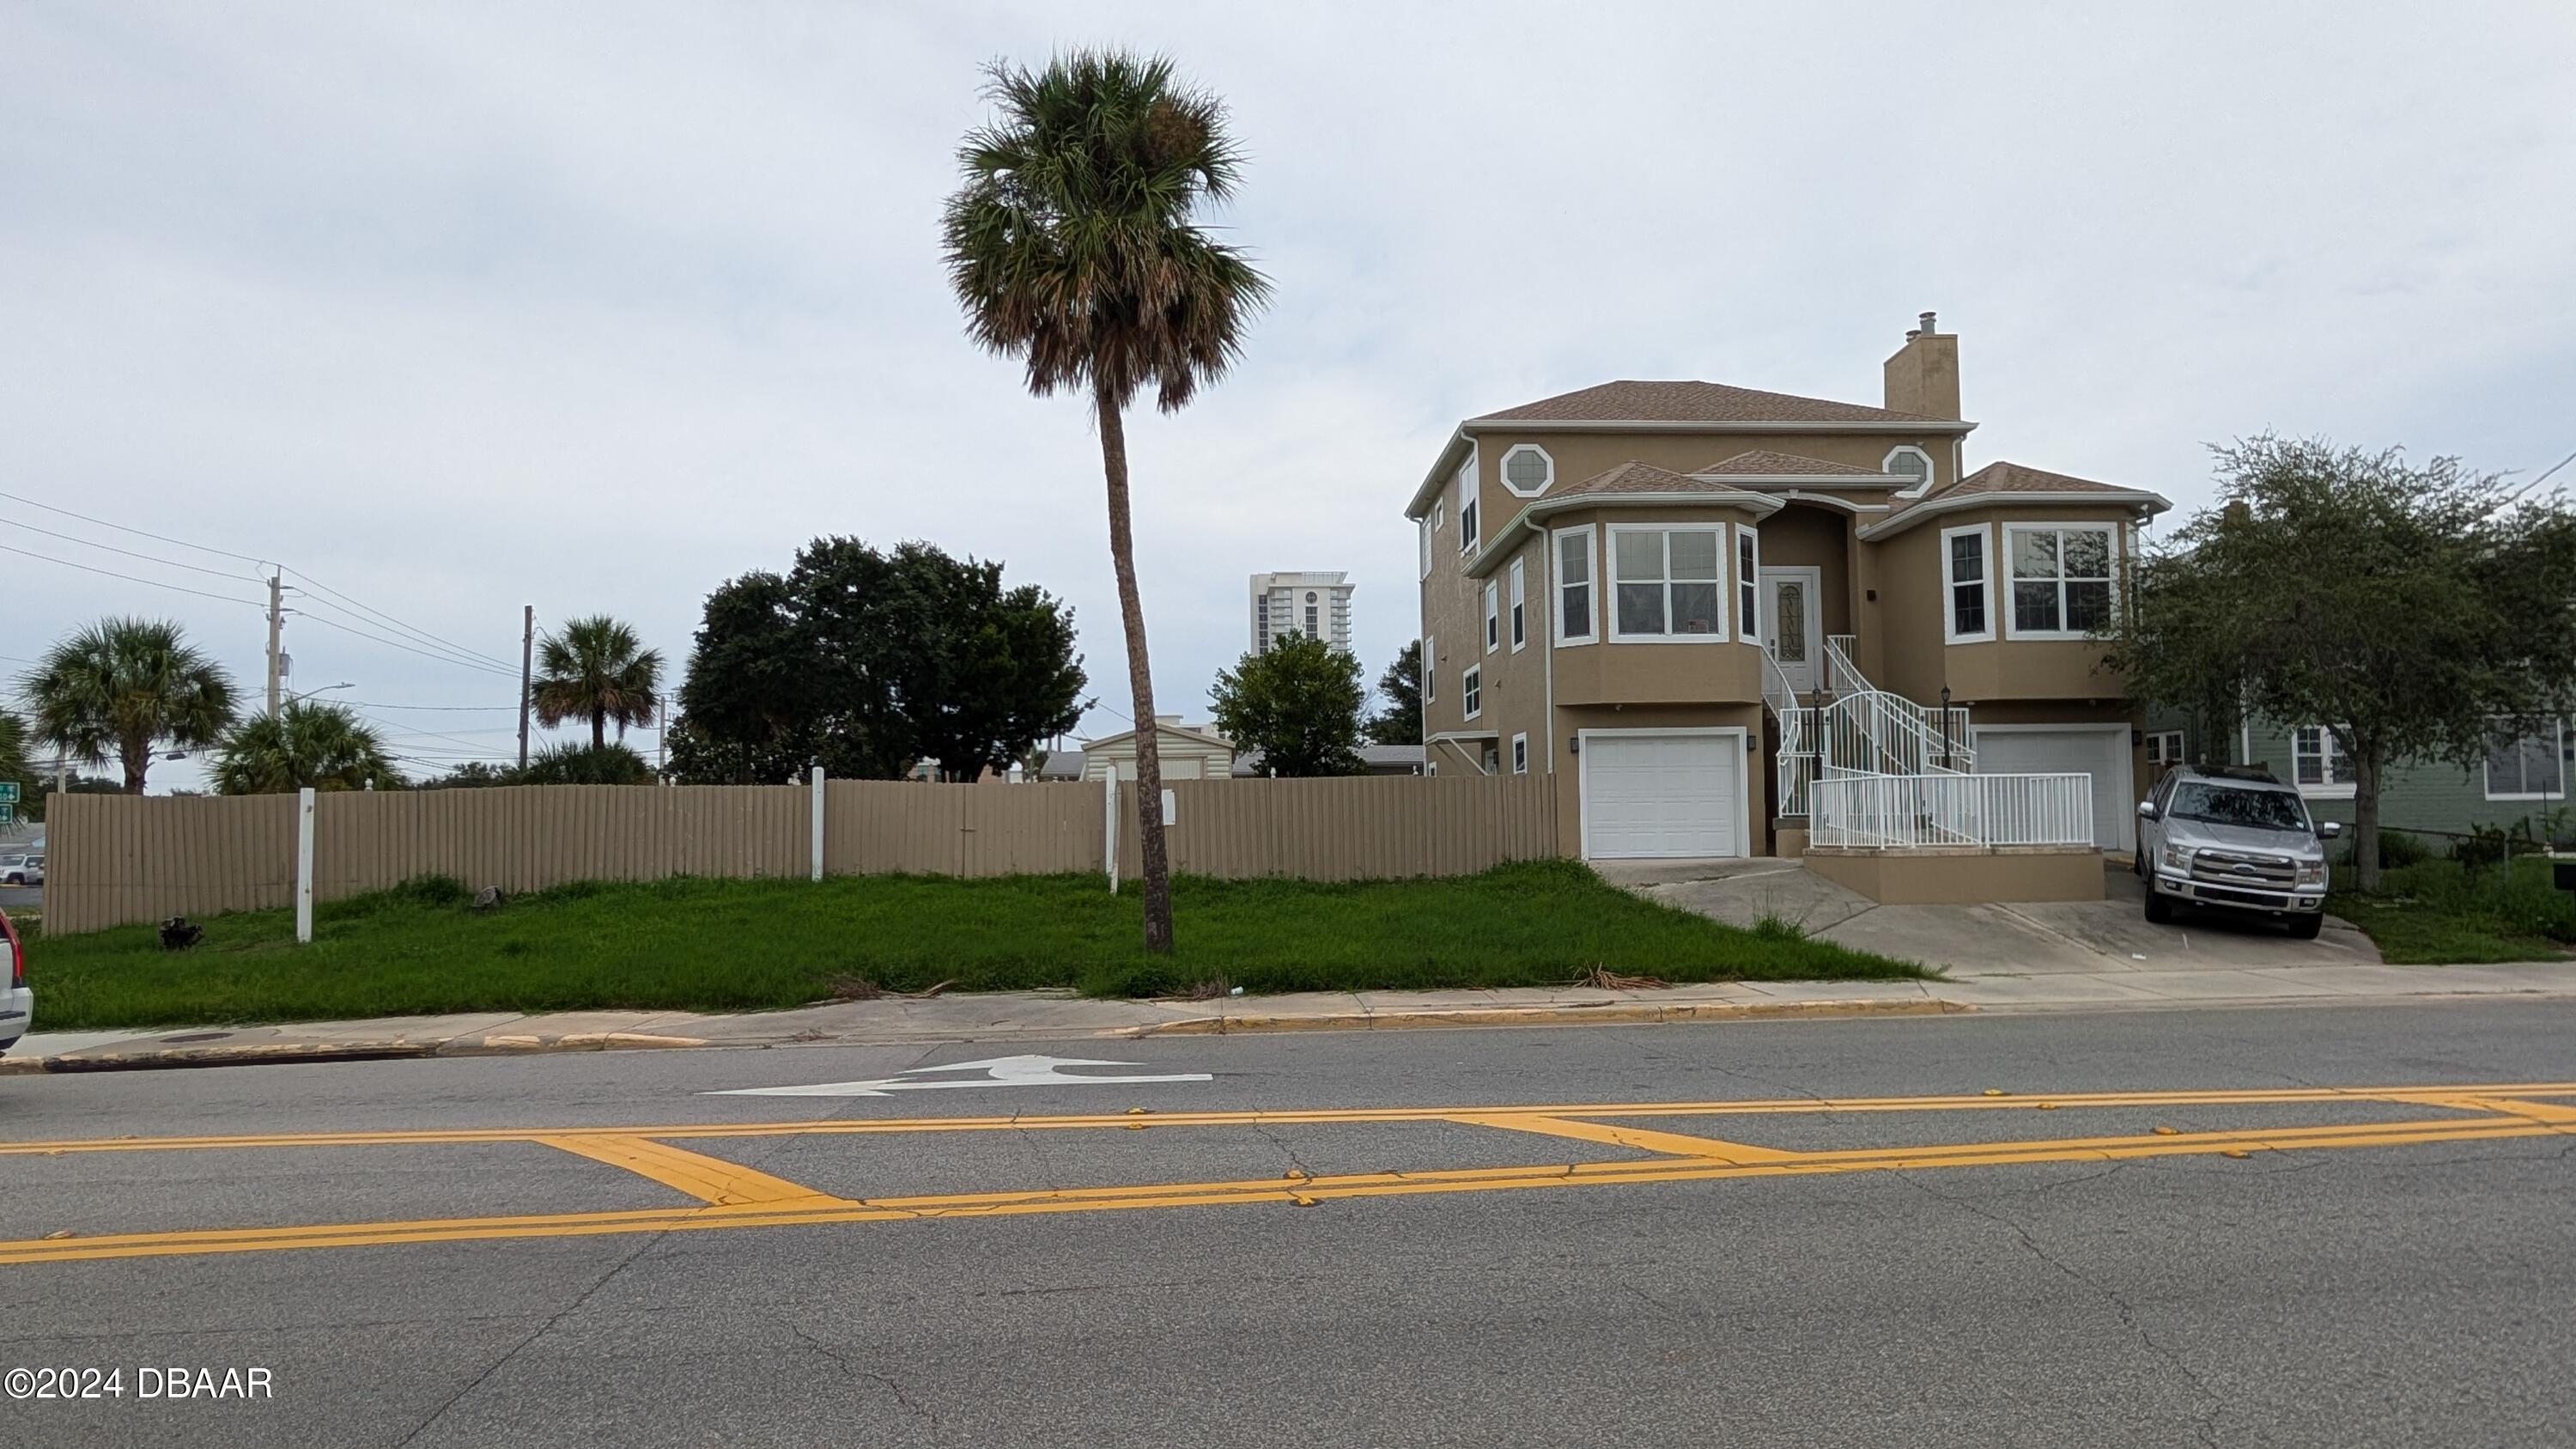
<point>1020,1071</point>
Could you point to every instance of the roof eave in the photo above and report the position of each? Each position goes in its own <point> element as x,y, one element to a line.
<point>1777,425</point>
<point>1487,559</point>
<point>1442,468</point>
<point>2139,501</point>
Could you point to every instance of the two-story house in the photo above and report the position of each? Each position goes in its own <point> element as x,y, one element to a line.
<point>1689,602</point>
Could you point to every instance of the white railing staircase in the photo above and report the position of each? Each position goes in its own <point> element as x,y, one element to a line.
<point>1873,769</point>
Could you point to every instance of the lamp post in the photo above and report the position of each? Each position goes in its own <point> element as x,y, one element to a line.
<point>1945,726</point>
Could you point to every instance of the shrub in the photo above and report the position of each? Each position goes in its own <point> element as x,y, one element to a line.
<point>583,765</point>
<point>432,890</point>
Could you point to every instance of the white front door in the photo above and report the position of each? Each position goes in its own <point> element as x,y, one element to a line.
<point>1793,623</point>
<point>1663,794</point>
<point>2100,752</point>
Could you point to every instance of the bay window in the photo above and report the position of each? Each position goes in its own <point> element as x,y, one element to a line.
<point>2061,579</point>
<point>1667,583</point>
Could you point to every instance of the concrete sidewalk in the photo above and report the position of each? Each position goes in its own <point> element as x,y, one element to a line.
<point>1039,1016</point>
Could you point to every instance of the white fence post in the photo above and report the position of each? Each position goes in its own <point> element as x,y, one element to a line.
<point>1109,827</point>
<point>304,867</point>
<point>818,822</point>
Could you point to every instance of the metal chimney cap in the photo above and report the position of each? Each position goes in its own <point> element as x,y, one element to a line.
<point>1928,328</point>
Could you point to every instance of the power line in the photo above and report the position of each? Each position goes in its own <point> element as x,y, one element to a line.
<point>130,578</point>
<point>399,624</point>
<point>379,704</point>
<point>398,644</point>
<point>129,553</point>
<point>123,528</point>
<point>440,651</point>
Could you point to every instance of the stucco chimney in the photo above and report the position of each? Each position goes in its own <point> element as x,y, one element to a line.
<point>1923,376</point>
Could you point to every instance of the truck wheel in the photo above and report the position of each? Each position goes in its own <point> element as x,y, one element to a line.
<point>2305,928</point>
<point>2159,908</point>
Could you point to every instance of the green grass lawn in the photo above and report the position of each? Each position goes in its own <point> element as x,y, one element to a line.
<point>713,945</point>
<point>2436,913</point>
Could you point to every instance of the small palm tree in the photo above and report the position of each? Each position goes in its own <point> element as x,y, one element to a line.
<point>121,687</point>
<point>303,746</point>
<point>597,669</point>
<point>1074,244</point>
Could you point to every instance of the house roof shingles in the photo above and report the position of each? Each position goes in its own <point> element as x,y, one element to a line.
<point>1636,477</point>
<point>1630,401</point>
<point>2001,477</point>
<point>1763,463</point>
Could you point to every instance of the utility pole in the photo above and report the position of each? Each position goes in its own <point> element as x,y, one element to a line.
<point>276,626</point>
<point>527,660</point>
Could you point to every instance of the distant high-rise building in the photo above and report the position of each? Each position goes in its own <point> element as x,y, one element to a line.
<point>1314,604</point>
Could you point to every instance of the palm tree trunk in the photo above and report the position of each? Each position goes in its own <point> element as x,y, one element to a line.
<point>136,756</point>
<point>599,729</point>
<point>1131,611</point>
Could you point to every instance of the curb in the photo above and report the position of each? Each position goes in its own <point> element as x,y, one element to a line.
<point>303,1053</point>
<point>1608,1011</point>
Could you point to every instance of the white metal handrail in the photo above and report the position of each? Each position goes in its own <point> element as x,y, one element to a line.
<point>1854,810</point>
<point>1795,760</point>
<point>1886,733</point>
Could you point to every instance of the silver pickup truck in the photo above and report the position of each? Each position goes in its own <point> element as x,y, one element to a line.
<point>2233,840</point>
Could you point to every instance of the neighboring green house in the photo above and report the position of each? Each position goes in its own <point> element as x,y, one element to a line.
<point>2521,779</point>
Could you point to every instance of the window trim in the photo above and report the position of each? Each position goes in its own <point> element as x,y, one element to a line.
<point>2486,769</point>
<point>1520,753</point>
<point>1722,634</point>
<point>1471,690</point>
<point>1470,517</point>
<point>1748,584</point>
<point>2157,756</point>
<point>1985,582</point>
<point>1430,669</point>
<point>2002,570</point>
<point>1493,616</point>
<point>1591,536</point>
<point>1931,470</point>
<point>1519,606</point>
<point>1503,470</point>
<point>2329,749</point>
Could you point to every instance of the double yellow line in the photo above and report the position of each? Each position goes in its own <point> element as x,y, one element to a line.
<point>733,1196</point>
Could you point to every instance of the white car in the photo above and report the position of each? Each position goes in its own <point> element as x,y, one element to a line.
<point>17,1003</point>
<point>22,870</point>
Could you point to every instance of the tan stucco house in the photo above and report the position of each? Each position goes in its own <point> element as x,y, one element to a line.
<point>1705,609</point>
<point>1187,753</point>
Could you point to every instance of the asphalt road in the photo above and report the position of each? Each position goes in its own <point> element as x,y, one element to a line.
<point>2399,1275</point>
<point>22,898</point>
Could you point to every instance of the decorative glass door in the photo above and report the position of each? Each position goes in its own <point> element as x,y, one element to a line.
<point>1792,627</point>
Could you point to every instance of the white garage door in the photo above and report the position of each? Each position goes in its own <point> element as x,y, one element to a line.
<point>2103,754</point>
<point>1662,796</point>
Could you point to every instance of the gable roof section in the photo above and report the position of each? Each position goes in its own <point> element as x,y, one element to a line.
<point>1630,401</point>
<point>2002,482</point>
<point>1629,482</point>
<point>1763,463</point>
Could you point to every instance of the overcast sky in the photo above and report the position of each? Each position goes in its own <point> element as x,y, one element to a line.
<point>458,307</point>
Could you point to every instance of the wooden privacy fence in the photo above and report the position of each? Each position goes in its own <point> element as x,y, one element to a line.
<point>116,859</point>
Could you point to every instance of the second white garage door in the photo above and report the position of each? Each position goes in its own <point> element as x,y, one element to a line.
<point>2101,753</point>
<point>1650,795</point>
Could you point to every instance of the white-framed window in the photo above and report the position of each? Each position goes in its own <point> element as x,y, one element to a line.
<point>1748,583</point>
<point>2528,767</point>
<point>2061,579</point>
<point>1910,462</point>
<point>1520,754</point>
<point>2164,749</point>
<point>1493,616</point>
<point>1520,605</point>
<point>1467,535</point>
<point>1528,469</point>
<point>1575,590</point>
<point>1472,689</point>
<point>1967,585</point>
<point>1430,669</point>
<point>1668,583</point>
<point>2317,763</point>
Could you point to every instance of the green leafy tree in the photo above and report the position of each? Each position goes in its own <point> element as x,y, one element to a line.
<point>569,764</point>
<point>869,662</point>
<point>121,688</point>
<point>2414,612</point>
<point>305,745</point>
<point>1298,703</point>
<point>1400,722</point>
<point>1075,244</point>
<point>13,756</point>
<point>596,669</point>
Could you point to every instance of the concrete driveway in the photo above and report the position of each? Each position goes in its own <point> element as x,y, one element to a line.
<point>2035,939</point>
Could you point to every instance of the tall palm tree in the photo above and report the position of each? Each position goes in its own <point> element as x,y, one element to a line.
<point>1073,243</point>
<point>303,746</point>
<point>121,687</point>
<point>597,669</point>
